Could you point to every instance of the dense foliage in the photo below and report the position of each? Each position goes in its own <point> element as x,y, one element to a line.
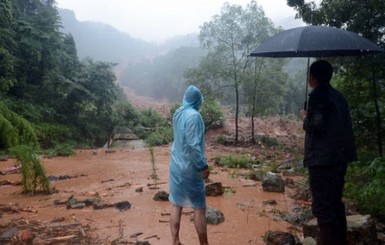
<point>47,95</point>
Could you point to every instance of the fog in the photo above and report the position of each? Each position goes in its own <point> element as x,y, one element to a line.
<point>158,20</point>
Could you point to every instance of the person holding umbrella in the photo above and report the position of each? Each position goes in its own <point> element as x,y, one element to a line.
<point>329,147</point>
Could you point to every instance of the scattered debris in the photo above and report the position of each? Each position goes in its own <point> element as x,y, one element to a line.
<point>13,170</point>
<point>61,177</point>
<point>149,237</point>
<point>7,182</point>
<point>23,231</point>
<point>127,184</point>
<point>271,202</point>
<point>155,184</point>
<point>109,180</point>
<point>14,208</point>
<point>135,235</point>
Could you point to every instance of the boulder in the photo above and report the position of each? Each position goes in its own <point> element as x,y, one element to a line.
<point>213,216</point>
<point>161,196</point>
<point>309,241</point>
<point>214,189</point>
<point>273,183</point>
<point>280,238</point>
<point>361,230</point>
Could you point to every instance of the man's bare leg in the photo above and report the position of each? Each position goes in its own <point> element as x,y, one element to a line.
<point>176,213</point>
<point>200,225</point>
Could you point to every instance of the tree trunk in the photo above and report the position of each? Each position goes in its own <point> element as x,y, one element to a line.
<point>236,112</point>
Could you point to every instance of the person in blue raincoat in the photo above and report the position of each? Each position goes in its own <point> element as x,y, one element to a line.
<point>188,166</point>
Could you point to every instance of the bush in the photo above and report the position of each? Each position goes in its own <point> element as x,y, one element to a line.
<point>365,185</point>
<point>49,134</point>
<point>212,114</point>
<point>32,171</point>
<point>235,161</point>
<point>269,141</point>
<point>64,150</point>
<point>161,136</point>
<point>150,118</point>
<point>173,110</point>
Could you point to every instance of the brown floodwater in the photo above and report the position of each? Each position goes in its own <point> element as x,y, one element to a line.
<point>116,174</point>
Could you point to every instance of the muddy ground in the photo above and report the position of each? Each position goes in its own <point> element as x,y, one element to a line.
<point>115,174</point>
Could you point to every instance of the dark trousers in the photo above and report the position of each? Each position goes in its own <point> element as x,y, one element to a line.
<point>326,186</point>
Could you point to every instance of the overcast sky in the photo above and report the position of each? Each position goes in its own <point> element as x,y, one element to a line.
<point>157,20</point>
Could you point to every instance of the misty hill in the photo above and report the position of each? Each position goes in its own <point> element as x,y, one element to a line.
<point>101,41</point>
<point>105,43</point>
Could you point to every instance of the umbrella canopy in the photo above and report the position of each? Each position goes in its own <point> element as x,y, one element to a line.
<point>315,41</point>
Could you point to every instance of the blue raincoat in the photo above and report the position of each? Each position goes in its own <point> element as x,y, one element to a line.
<point>188,153</point>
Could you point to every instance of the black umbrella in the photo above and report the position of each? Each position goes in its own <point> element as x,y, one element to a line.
<point>315,41</point>
<point>320,41</point>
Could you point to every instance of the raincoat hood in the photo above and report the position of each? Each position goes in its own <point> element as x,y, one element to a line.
<point>192,98</point>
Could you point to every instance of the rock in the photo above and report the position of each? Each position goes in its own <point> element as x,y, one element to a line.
<point>60,202</point>
<point>76,205</point>
<point>98,206</point>
<point>298,216</point>
<point>161,196</point>
<point>214,189</point>
<point>309,241</point>
<point>142,243</point>
<point>273,183</point>
<point>291,172</point>
<point>310,228</point>
<point>123,206</point>
<point>361,229</point>
<point>270,202</point>
<point>72,203</point>
<point>55,178</point>
<point>280,238</point>
<point>91,200</point>
<point>213,216</point>
<point>140,189</point>
<point>8,233</point>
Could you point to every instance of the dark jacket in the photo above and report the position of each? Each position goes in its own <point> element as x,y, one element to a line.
<point>329,138</point>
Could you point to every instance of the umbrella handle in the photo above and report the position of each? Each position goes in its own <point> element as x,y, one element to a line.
<point>307,83</point>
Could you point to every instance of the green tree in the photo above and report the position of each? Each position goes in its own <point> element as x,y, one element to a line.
<point>229,38</point>
<point>7,60</point>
